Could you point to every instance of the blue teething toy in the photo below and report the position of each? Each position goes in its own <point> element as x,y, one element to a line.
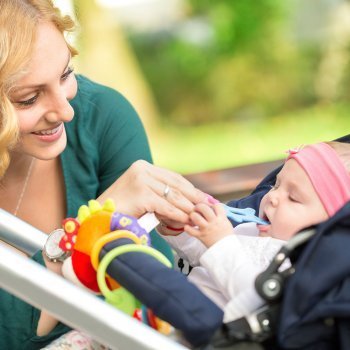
<point>243,215</point>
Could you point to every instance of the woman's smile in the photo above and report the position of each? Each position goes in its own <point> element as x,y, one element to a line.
<point>49,135</point>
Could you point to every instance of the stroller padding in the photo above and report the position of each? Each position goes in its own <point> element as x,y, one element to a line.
<point>177,301</point>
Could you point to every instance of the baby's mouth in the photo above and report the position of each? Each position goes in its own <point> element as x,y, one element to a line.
<point>265,217</point>
<point>264,228</point>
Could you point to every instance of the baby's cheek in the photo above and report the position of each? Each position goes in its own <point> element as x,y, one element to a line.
<point>262,206</point>
<point>285,231</point>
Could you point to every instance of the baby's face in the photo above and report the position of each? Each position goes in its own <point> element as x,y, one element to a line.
<point>291,205</point>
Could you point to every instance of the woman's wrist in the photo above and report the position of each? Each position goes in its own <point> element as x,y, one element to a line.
<point>168,230</point>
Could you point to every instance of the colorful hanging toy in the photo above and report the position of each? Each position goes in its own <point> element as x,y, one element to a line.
<point>84,238</point>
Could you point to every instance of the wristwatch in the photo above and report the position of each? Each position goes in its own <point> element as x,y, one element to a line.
<point>51,248</point>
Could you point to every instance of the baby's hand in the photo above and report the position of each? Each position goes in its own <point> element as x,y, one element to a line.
<point>209,223</point>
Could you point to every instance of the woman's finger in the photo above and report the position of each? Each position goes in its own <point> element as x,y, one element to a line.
<point>171,186</point>
<point>170,223</point>
<point>175,197</point>
<point>162,208</point>
<point>174,181</point>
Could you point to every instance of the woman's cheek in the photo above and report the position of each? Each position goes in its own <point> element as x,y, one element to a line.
<point>28,120</point>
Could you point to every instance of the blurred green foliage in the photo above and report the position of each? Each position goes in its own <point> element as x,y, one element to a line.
<point>245,67</point>
<point>235,81</point>
<point>240,25</point>
<point>227,144</point>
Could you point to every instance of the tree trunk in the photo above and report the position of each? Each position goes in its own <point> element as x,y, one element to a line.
<point>106,57</point>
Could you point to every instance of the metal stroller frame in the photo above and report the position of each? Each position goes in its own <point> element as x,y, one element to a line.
<point>70,304</point>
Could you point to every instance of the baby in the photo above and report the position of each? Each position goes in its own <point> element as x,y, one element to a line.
<point>312,185</point>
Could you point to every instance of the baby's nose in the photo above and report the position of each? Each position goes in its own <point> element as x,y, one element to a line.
<point>273,199</point>
<point>274,202</point>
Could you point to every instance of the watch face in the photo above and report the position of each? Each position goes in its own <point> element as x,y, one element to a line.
<point>52,250</point>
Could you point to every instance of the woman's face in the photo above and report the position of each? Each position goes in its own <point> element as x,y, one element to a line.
<point>41,96</point>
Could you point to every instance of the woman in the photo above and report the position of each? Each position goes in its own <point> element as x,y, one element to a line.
<point>65,140</point>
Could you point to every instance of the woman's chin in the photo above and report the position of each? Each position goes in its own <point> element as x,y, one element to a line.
<point>45,151</point>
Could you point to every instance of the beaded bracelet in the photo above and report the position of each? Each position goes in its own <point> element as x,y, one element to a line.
<point>170,228</point>
<point>176,229</point>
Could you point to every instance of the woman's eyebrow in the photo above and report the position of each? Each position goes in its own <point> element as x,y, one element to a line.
<point>20,88</point>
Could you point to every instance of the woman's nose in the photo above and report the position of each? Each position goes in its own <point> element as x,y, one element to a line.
<point>59,108</point>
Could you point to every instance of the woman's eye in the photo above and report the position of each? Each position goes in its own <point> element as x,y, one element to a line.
<point>29,102</point>
<point>66,74</point>
<point>32,100</point>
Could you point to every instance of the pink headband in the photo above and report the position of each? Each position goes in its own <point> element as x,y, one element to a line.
<point>327,173</point>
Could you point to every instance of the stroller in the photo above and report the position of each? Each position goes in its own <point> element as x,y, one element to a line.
<point>307,305</point>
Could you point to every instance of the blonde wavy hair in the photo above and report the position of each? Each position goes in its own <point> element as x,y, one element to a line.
<point>18,25</point>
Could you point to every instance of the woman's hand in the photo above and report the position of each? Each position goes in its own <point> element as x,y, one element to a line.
<point>146,188</point>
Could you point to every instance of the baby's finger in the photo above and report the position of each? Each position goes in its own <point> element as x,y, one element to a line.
<point>219,209</point>
<point>198,220</point>
<point>206,211</point>
<point>192,230</point>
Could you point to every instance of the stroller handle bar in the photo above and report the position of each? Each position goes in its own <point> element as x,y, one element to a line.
<point>20,234</point>
<point>72,305</point>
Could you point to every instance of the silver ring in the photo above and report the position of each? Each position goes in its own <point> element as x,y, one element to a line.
<point>166,191</point>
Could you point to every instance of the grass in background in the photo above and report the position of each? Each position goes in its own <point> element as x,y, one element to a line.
<point>218,146</point>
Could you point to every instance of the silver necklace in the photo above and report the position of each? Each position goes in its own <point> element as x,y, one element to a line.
<point>19,202</point>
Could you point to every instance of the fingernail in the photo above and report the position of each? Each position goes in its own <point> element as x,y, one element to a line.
<point>212,200</point>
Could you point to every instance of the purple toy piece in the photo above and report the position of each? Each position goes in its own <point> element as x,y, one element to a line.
<point>121,221</point>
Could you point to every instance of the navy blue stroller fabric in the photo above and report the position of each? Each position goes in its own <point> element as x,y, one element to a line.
<point>315,312</point>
